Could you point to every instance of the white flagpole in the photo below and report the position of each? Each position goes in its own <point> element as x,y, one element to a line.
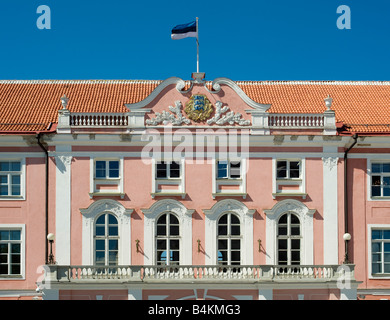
<point>197,45</point>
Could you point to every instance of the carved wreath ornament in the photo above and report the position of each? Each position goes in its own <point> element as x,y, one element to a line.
<point>198,109</point>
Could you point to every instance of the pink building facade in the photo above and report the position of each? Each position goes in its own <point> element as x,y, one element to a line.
<point>193,190</point>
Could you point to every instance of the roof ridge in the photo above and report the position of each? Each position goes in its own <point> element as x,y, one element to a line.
<point>91,81</point>
<point>314,82</point>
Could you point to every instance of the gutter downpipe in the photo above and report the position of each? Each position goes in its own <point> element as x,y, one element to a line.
<point>38,136</point>
<point>355,137</point>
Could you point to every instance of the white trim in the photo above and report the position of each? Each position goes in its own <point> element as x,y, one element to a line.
<point>246,218</point>
<point>22,228</point>
<point>63,204</point>
<point>89,216</point>
<point>185,219</point>
<point>330,207</point>
<point>305,216</point>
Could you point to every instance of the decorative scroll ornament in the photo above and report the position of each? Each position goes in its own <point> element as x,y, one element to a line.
<point>230,116</point>
<point>165,117</point>
<point>199,108</point>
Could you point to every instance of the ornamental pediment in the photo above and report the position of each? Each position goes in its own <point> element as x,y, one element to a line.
<point>197,103</point>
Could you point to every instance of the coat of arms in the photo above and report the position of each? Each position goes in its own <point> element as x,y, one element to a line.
<point>199,108</point>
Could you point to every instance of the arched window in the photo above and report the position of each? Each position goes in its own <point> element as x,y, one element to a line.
<point>229,240</point>
<point>106,240</point>
<point>168,240</point>
<point>289,240</point>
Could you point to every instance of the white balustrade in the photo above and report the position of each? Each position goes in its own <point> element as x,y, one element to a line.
<point>177,273</point>
<point>98,119</point>
<point>285,121</point>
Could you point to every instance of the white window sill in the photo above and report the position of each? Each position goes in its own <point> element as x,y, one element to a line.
<point>106,194</point>
<point>169,194</point>
<point>229,194</point>
<point>289,194</point>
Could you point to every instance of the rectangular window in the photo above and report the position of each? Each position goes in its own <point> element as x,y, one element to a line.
<point>10,252</point>
<point>107,169</point>
<point>228,169</point>
<point>10,178</point>
<point>380,179</point>
<point>380,251</point>
<point>288,169</point>
<point>168,170</point>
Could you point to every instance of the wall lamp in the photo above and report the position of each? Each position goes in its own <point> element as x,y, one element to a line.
<point>259,241</point>
<point>51,238</point>
<point>137,245</point>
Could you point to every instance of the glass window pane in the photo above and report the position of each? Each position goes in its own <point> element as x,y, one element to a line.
<point>4,190</point>
<point>376,234</point>
<point>235,230</point>
<point>3,248</point>
<point>161,170</point>
<point>295,230</point>
<point>376,257</point>
<point>113,231</point>
<point>235,244</point>
<point>234,219</point>
<point>113,244</point>
<point>376,180</point>
<point>100,245</point>
<point>235,256</point>
<point>376,168</point>
<point>100,231</point>
<point>222,230</point>
<point>294,219</point>
<point>282,230</point>
<point>223,219</point>
<point>386,167</point>
<point>386,247</point>
<point>4,234</point>
<point>161,244</point>
<point>15,248</point>
<point>222,244</point>
<point>15,180</point>
<point>174,244</point>
<point>282,257</point>
<point>386,191</point>
<point>112,219</point>
<point>295,256</point>
<point>15,166</point>
<point>162,219</point>
<point>100,169</point>
<point>161,230</point>
<point>222,169</point>
<point>15,269</point>
<point>386,268</point>
<point>281,169</point>
<point>15,190</point>
<point>295,243</point>
<point>376,268</point>
<point>376,247</point>
<point>113,170</point>
<point>4,166</point>
<point>283,219</point>
<point>376,191</point>
<point>173,219</point>
<point>282,244</point>
<point>386,257</point>
<point>15,234</point>
<point>174,230</point>
<point>386,234</point>
<point>100,257</point>
<point>3,269</point>
<point>3,179</point>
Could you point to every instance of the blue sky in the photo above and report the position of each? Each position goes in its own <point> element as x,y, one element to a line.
<point>241,40</point>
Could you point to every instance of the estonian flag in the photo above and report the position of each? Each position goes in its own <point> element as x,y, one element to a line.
<point>184,31</point>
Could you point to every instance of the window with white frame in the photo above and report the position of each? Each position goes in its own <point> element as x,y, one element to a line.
<point>168,240</point>
<point>229,240</point>
<point>228,169</point>
<point>10,179</point>
<point>10,252</point>
<point>380,179</point>
<point>380,251</point>
<point>107,177</point>
<point>106,240</point>
<point>288,169</point>
<point>168,170</point>
<point>107,169</point>
<point>289,240</point>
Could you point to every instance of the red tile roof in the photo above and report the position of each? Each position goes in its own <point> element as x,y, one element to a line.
<point>33,105</point>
